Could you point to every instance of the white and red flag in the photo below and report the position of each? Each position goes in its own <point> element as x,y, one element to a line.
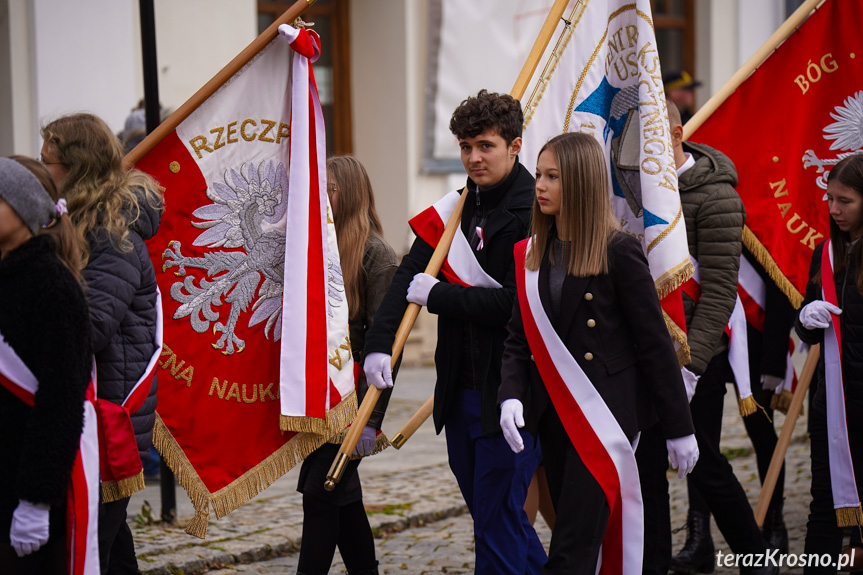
<point>607,81</point>
<point>257,368</point>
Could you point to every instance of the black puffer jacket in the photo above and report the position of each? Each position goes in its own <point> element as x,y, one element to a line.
<point>714,228</point>
<point>121,291</point>
<point>851,320</point>
<point>43,317</point>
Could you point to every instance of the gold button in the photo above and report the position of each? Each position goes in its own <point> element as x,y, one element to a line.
<point>588,356</point>
<point>591,323</point>
<point>588,296</point>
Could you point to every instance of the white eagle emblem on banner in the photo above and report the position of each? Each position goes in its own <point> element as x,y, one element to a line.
<point>846,133</point>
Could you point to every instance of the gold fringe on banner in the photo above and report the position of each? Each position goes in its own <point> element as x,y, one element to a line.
<point>665,284</point>
<point>782,401</point>
<point>754,245</point>
<point>116,490</point>
<point>849,516</point>
<point>255,480</point>
<point>337,419</point>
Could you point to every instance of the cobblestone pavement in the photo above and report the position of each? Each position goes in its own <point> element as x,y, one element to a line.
<point>416,510</point>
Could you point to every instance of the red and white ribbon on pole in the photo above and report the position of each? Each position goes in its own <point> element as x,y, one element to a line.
<point>590,425</point>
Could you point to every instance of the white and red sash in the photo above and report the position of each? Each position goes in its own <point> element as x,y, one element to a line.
<point>738,343</point>
<point>846,500</point>
<point>82,499</point>
<point>590,425</point>
<point>460,266</point>
<point>120,463</point>
<point>752,292</point>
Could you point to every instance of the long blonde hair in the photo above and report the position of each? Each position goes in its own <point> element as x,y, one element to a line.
<point>586,218</point>
<point>355,219</point>
<point>100,193</point>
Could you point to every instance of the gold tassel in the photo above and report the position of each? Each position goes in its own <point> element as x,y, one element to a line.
<point>782,401</point>
<point>748,405</point>
<point>849,516</point>
<point>116,490</point>
<point>754,245</point>
<point>197,527</point>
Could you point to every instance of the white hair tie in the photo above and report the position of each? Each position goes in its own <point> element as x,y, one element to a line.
<point>61,207</point>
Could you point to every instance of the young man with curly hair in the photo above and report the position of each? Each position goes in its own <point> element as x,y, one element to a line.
<point>473,299</point>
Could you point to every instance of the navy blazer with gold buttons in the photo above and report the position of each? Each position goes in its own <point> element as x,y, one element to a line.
<point>613,326</point>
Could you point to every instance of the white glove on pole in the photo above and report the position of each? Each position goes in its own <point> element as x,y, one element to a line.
<point>816,314</point>
<point>690,381</point>
<point>683,452</point>
<point>366,442</point>
<point>420,288</point>
<point>378,369</point>
<point>511,419</point>
<point>770,382</point>
<point>29,529</point>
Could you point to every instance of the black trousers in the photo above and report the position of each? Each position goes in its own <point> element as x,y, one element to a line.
<point>116,547</point>
<point>579,503</point>
<point>713,476</point>
<point>823,534</point>
<point>652,459</point>
<point>759,427</point>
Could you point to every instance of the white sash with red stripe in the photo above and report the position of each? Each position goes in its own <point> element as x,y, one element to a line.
<point>846,500</point>
<point>82,501</point>
<point>591,426</point>
<point>738,342</point>
<point>460,266</point>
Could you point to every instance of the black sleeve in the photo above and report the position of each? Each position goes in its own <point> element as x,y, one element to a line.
<point>61,363</point>
<point>657,360</point>
<point>376,285</point>
<point>778,320</point>
<point>813,292</point>
<point>478,305</point>
<point>515,365</point>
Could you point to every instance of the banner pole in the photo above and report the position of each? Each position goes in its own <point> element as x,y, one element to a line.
<point>785,435</point>
<point>779,36</point>
<point>215,83</point>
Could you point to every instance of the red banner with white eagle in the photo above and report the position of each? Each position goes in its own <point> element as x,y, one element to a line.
<point>256,370</point>
<point>785,126</point>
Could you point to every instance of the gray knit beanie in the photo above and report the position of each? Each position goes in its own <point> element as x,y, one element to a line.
<point>21,190</point>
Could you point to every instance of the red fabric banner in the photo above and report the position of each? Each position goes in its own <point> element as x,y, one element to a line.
<point>794,118</point>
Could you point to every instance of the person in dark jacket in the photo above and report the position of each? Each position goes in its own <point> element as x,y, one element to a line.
<point>472,316</point>
<point>714,217</point>
<point>836,488</point>
<point>597,298</point>
<point>338,517</point>
<point>114,211</point>
<point>43,321</point>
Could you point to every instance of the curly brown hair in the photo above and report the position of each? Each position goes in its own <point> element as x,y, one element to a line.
<point>488,110</point>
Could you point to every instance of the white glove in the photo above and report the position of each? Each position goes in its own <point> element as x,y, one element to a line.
<point>770,382</point>
<point>511,418</point>
<point>816,314</point>
<point>683,452</point>
<point>366,443</point>
<point>29,529</point>
<point>420,288</point>
<point>379,371</point>
<point>690,380</point>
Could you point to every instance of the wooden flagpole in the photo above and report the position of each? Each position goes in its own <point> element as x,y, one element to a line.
<point>750,66</point>
<point>517,92</point>
<point>785,435</point>
<point>215,83</point>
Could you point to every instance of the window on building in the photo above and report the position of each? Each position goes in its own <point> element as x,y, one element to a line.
<point>332,70</point>
<point>674,23</point>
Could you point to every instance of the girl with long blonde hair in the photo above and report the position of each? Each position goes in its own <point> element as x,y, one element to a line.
<point>588,347</point>
<point>114,211</point>
<point>338,517</point>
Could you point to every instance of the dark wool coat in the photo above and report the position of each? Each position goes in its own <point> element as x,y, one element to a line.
<point>714,217</point>
<point>121,292</point>
<point>851,320</point>
<point>43,317</point>
<point>613,326</point>
<point>471,320</point>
